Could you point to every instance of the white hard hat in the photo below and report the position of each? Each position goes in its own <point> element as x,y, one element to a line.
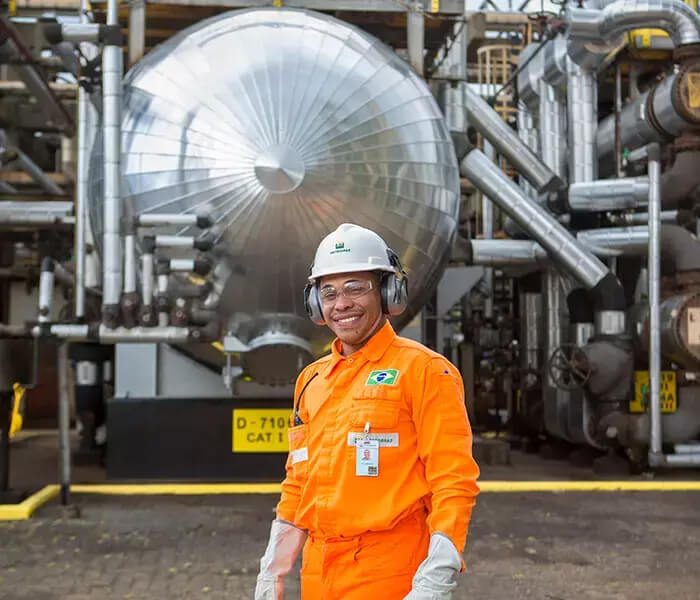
<point>348,249</point>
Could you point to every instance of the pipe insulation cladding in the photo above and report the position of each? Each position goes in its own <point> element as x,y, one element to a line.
<point>322,125</point>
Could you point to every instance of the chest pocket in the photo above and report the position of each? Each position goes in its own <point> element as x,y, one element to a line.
<point>380,406</point>
<point>298,459</point>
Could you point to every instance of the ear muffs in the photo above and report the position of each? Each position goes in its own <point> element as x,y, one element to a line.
<point>393,292</point>
<point>394,287</point>
<point>312,304</point>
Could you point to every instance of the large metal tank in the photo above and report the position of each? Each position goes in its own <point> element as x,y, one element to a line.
<point>283,124</point>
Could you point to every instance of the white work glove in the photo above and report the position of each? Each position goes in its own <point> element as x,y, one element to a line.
<point>434,579</point>
<point>282,550</point>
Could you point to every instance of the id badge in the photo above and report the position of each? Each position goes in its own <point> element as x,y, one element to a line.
<point>366,457</point>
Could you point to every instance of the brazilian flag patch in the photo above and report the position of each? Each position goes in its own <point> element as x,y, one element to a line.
<point>385,377</point>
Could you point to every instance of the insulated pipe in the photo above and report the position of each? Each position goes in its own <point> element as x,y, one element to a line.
<point>536,222</point>
<point>129,263</point>
<point>507,143</point>
<point>528,134</point>
<point>654,280</point>
<point>111,93</point>
<point>552,113</point>
<point>155,220</point>
<point>667,217</point>
<point>499,253</point>
<point>657,115</point>
<point>582,107</point>
<point>415,36</point>
<point>675,17</point>
<point>609,194</point>
<point>189,265</point>
<point>121,335</point>
<point>46,290</point>
<point>181,241</point>
<point>487,223</point>
<point>81,187</point>
<point>625,240</point>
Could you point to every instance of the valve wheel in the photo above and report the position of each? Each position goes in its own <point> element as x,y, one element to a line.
<point>569,367</point>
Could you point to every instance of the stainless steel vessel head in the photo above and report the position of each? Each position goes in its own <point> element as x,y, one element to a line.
<point>283,124</point>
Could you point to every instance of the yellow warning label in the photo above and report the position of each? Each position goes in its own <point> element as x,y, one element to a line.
<point>694,90</point>
<point>12,8</point>
<point>260,429</point>
<point>669,401</point>
<point>434,6</point>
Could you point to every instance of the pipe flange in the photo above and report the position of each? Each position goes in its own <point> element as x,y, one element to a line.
<point>685,93</point>
<point>651,117</point>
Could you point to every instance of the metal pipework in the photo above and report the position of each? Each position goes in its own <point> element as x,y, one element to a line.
<point>46,281</point>
<point>528,134</point>
<point>189,265</point>
<point>507,143</point>
<point>112,210</point>
<point>667,216</point>
<point>129,263</point>
<point>654,281</point>
<point>487,228</point>
<point>147,315</point>
<point>12,153</point>
<point>122,335</point>
<point>536,222</point>
<point>609,194</point>
<point>415,36</point>
<point>181,241</point>
<point>499,253</point>
<point>86,110</point>
<point>582,105</point>
<point>678,19</point>
<point>621,240</point>
<point>156,220</point>
<point>12,50</point>
<point>552,113</point>
<point>657,115</point>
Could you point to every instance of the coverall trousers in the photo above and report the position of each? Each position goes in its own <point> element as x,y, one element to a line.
<point>378,565</point>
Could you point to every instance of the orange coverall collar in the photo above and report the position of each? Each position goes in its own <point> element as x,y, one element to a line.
<point>373,350</point>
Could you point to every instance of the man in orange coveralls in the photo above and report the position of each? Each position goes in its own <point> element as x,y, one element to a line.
<point>380,476</point>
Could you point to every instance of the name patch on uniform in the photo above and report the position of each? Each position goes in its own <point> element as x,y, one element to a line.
<point>385,377</point>
<point>300,455</point>
<point>386,440</point>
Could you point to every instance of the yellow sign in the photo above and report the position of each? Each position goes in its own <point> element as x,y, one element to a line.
<point>260,429</point>
<point>694,90</point>
<point>669,398</point>
<point>435,6</point>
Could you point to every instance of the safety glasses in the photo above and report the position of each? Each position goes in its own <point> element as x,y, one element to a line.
<point>351,290</point>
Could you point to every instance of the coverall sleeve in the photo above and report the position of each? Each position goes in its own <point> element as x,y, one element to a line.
<point>291,486</point>
<point>445,448</point>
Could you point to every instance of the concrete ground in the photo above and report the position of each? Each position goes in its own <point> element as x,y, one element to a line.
<point>549,546</point>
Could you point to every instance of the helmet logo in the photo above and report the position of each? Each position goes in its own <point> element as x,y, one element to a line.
<point>339,248</point>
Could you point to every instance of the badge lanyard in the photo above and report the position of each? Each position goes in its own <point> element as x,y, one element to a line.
<point>366,454</point>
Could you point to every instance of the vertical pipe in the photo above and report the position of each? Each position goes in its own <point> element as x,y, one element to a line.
<point>46,290</point>
<point>137,31</point>
<point>163,317</point>
<point>81,188</point>
<point>618,126</point>
<point>111,91</point>
<point>487,224</point>
<point>64,423</point>
<point>416,36</point>
<point>582,101</point>
<point>129,263</point>
<point>654,266</point>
